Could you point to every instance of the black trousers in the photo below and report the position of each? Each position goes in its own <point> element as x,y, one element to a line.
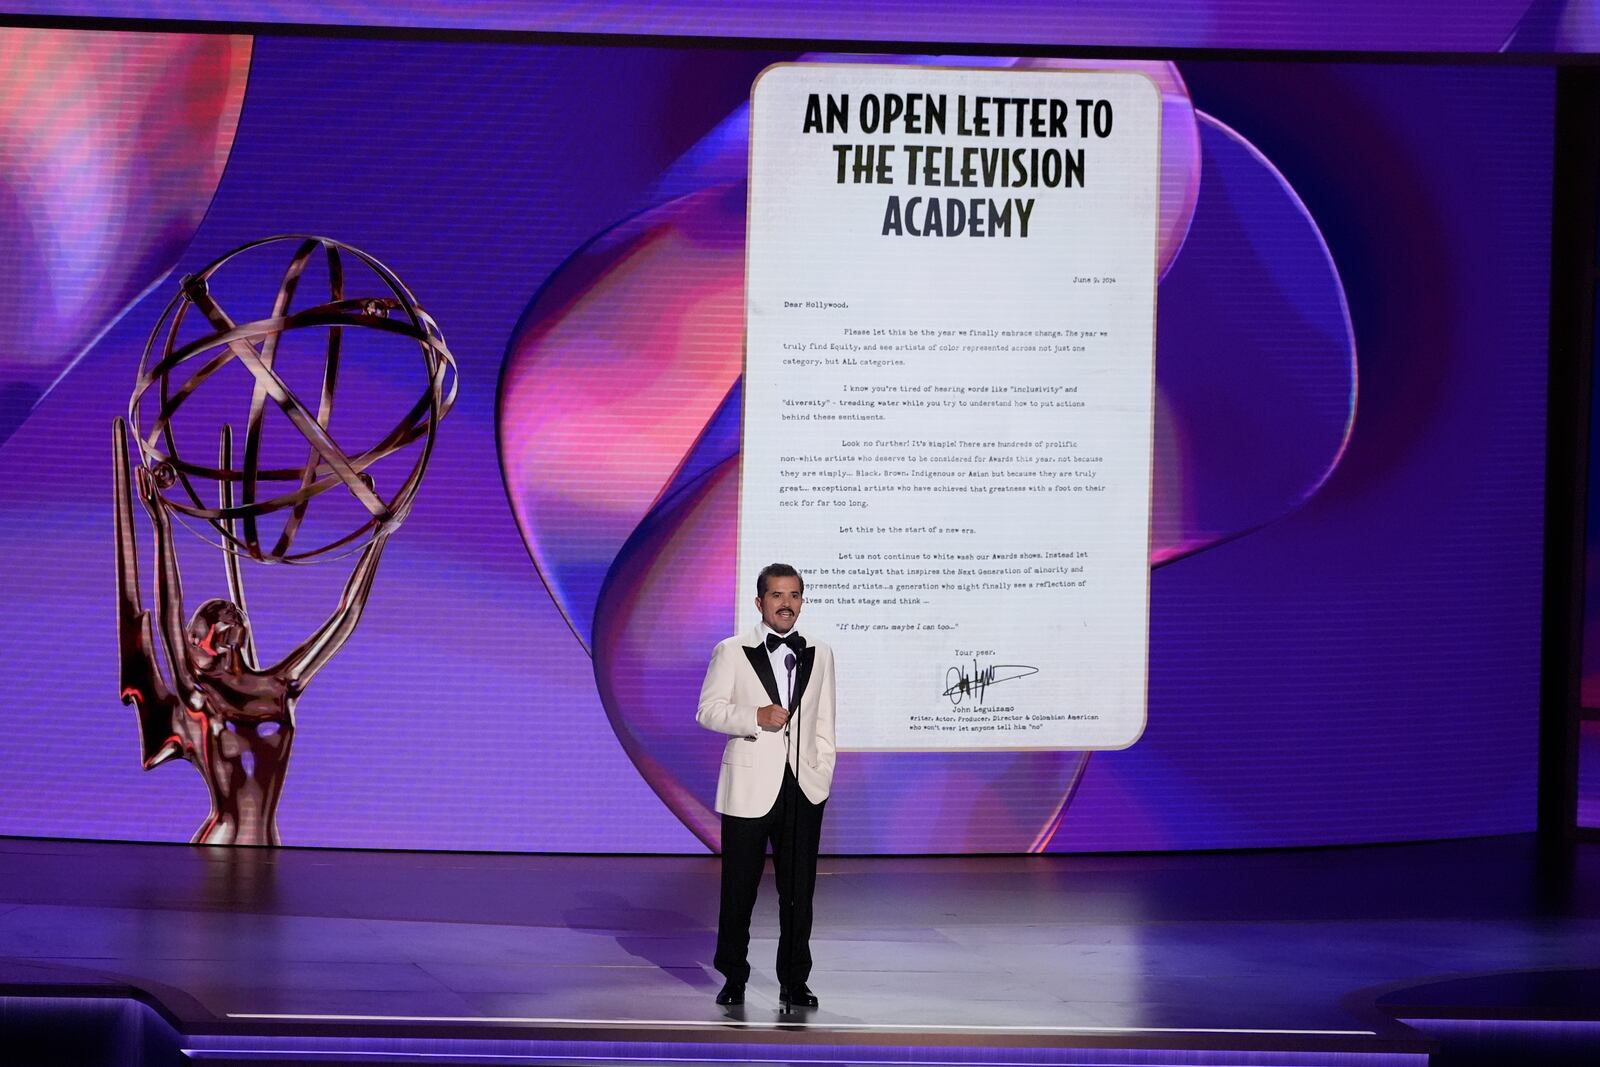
<point>794,826</point>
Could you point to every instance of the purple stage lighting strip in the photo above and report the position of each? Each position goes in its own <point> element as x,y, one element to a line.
<point>1513,1040</point>
<point>854,1055</point>
<point>459,1050</point>
<point>1106,1046</point>
<point>1477,26</point>
<point>502,1020</point>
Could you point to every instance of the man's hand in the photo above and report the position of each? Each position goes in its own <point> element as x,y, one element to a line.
<point>771,717</point>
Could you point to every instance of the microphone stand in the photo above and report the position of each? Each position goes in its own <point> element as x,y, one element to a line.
<point>791,662</point>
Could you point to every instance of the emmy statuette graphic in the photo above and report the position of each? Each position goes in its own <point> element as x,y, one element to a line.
<point>222,710</point>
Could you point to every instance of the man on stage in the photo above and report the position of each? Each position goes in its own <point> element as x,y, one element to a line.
<point>772,691</point>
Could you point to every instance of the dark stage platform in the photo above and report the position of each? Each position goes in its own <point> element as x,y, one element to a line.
<point>1308,957</point>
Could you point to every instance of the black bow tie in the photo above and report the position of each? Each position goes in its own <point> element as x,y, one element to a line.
<point>794,641</point>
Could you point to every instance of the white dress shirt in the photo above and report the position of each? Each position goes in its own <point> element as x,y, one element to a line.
<point>784,676</point>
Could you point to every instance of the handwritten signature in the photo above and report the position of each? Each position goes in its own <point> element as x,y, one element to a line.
<point>962,685</point>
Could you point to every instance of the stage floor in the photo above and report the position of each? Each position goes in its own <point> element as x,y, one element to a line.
<point>1286,949</point>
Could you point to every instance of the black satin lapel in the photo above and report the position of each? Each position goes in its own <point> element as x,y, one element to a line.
<point>808,656</point>
<point>763,666</point>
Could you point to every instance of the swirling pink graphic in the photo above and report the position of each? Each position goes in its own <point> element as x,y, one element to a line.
<point>111,148</point>
<point>619,417</point>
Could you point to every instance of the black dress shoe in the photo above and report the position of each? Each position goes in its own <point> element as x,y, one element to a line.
<point>732,993</point>
<point>797,997</point>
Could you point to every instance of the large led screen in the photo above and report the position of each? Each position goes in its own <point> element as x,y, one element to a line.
<point>506,397</point>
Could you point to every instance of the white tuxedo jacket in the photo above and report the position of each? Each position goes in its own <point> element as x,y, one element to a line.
<point>740,680</point>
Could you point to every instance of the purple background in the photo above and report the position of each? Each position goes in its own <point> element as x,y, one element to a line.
<point>1364,669</point>
<point>1536,26</point>
<point>1589,775</point>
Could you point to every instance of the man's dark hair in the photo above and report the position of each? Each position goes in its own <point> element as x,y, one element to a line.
<point>777,570</point>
